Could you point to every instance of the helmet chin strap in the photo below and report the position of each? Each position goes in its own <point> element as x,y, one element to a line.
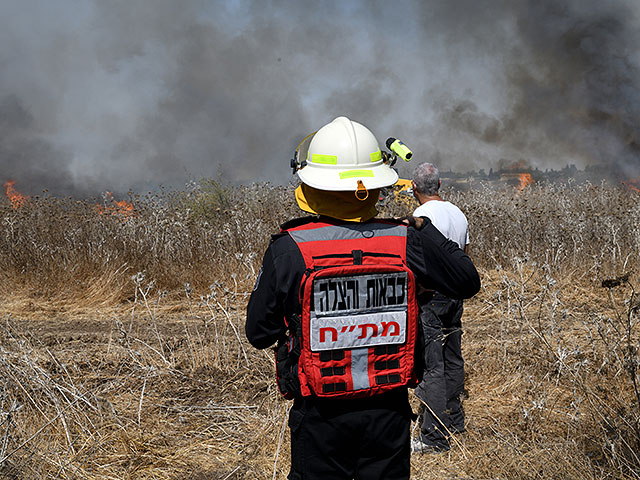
<point>361,192</point>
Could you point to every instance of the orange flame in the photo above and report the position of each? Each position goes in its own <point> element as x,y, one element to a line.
<point>631,184</point>
<point>525,179</point>
<point>16,198</point>
<point>120,208</point>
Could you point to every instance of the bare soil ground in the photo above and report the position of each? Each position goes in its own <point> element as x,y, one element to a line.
<point>172,390</point>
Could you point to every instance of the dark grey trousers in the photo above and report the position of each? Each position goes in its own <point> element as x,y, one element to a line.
<point>443,378</point>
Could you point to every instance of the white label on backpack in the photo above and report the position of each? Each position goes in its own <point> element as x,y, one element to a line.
<point>353,331</point>
<point>353,294</point>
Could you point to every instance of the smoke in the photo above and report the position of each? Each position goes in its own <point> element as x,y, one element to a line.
<point>24,146</point>
<point>567,74</point>
<point>122,95</point>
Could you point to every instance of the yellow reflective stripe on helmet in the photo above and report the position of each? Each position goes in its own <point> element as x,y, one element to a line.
<point>356,173</point>
<point>376,156</point>
<point>325,159</point>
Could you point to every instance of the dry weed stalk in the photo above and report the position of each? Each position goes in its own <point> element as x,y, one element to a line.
<point>79,425</point>
<point>120,374</point>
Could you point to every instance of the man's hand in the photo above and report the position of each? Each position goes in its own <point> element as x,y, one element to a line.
<point>415,222</point>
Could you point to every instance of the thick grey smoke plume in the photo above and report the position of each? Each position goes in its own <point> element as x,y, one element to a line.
<point>122,95</point>
<point>566,72</point>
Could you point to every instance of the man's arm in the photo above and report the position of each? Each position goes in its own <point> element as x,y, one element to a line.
<point>439,264</point>
<point>275,295</point>
<point>265,316</point>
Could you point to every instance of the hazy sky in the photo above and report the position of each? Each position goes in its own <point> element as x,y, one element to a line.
<point>124,94</point>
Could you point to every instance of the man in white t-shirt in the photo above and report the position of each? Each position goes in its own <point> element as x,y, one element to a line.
<point>440,318</point>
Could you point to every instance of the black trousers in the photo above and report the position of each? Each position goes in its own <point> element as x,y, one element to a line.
<point>443,377</point>
<point>363,439</point>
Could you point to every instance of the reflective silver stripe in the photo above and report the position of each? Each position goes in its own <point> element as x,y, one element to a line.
<point>351,332</point>
<point>359,368</point>
<point>349,232</point>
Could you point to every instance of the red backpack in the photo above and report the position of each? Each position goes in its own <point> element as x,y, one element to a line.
<point>357,330</point>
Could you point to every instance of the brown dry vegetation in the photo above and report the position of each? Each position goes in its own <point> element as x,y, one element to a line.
<point>122,352</point>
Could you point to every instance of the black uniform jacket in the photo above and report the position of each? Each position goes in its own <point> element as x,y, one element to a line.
<point>436,262</point>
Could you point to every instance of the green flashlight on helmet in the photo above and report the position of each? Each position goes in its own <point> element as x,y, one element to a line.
<point>399,148</point>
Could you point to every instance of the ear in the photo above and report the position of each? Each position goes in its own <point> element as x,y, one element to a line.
<point>439,183</point>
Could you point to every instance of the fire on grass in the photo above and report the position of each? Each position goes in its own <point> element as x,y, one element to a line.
<point>121,208</point>
<point>118,208</point>
<point>525,179</point>
<point>517,174</point>
<point>16,199</point>
<point>633,184</point>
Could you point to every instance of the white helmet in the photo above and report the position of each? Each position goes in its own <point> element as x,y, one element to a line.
<point>343,156</point>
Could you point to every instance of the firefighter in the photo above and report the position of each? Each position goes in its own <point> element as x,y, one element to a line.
<point>441,321</point>
<point>336,291</point>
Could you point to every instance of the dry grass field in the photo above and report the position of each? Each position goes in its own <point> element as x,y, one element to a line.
<point>122,352</point>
